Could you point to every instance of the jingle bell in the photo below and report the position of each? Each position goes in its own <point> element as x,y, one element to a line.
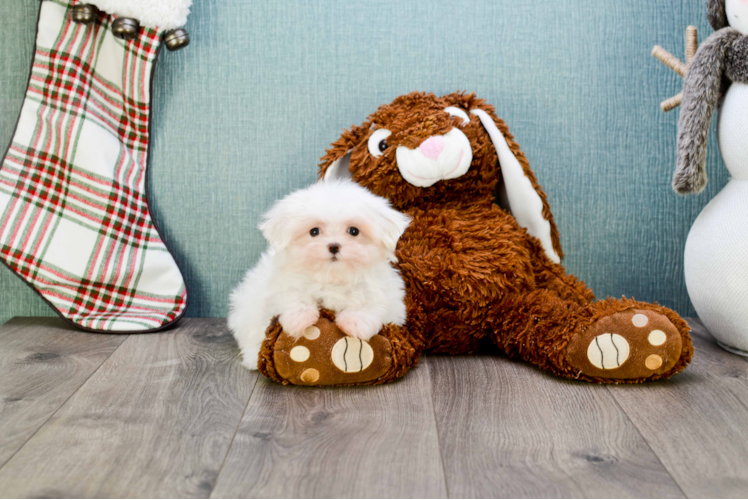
<point>84,14</point>
<point>176,39</point>
<point>125,28</point>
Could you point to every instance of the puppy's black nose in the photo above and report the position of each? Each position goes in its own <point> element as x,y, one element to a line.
<point>334,248</point>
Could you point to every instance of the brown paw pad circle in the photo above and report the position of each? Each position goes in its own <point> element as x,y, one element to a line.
<point>627,345</point>
<point>324,355</point>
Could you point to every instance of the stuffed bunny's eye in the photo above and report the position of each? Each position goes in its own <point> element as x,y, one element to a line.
<point>378,142</point>
<point>453,111</point>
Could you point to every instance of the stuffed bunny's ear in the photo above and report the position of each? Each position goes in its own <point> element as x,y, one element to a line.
<point>336,163</point>
<point>524,201</point>
<point>338,169</point>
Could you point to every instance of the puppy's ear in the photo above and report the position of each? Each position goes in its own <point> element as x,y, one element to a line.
<point>388,224</point>
<point>279,224</point>
<point>335,165</point>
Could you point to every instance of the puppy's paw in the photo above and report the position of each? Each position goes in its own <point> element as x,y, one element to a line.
<point>250,357</point>
<point>295,322</point>
<point>358,325</point>
<point>250,363</point>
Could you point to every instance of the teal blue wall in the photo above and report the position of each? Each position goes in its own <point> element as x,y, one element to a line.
<point>244,113</point>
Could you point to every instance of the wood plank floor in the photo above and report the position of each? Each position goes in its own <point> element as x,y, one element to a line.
<point>174,415</point>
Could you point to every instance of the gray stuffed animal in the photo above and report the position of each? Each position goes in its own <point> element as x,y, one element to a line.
<point>716,253</point>
<point>720,63</point>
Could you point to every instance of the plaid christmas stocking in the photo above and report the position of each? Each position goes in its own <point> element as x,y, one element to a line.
<point>74,217</point>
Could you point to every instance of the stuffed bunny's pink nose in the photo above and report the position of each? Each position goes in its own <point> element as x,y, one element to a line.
<point>432,147</point>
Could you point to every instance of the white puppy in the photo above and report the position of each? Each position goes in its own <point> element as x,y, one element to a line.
<point>331,246</point>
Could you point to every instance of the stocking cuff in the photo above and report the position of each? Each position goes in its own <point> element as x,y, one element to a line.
<point>161,14</point>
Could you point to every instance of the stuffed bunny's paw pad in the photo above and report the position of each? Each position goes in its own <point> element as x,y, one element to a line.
<point>627,345</point>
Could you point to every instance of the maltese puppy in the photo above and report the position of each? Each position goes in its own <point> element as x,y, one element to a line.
<point>332,246</point>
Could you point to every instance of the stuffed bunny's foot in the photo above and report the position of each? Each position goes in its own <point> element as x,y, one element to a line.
<point>632,344</point>
<point>324,355</point>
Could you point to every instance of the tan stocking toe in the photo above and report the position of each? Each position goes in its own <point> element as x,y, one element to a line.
<point>628,345</point>
<point>324,355</point>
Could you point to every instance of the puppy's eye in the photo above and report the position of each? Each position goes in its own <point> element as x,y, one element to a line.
<point>377,142</point>
<point>314,231</point>
<point>453,111</point>
<point>353,231</point>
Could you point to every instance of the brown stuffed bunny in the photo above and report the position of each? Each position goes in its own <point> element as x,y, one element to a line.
<point>480,261</point>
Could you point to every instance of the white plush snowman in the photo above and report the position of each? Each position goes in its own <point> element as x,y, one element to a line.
<point>716,254</point>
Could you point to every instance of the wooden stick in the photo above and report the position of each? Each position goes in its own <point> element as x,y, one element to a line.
<point>672,62</point>
<point>692,43</point>
<point>672,103</point>
<point>669,60</point>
